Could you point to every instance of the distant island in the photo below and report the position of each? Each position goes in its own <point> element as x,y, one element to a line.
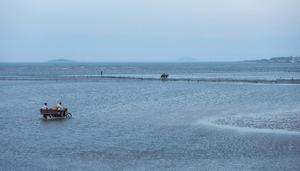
<point>290,59</point>
<point>186,59</point>
<point>60,61</point>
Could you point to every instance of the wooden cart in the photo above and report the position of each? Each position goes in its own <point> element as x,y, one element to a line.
<point>55,113</point>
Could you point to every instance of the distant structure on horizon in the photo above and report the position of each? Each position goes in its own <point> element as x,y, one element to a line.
<point>289,59</point>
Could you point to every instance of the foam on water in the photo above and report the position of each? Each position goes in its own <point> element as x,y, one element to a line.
<point>212,123</point>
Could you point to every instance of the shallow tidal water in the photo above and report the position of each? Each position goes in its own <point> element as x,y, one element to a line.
<point>150,125</point>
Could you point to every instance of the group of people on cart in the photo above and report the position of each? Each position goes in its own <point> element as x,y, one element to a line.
<point>56,111</point>
<point>164,76</point>
<point>58,106</point>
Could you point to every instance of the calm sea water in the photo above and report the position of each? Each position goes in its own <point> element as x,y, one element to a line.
<point>150,125</point>
<point>153,70</point>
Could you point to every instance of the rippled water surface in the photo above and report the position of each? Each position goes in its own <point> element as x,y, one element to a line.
<point>150,125</point>
<point>234,70</point>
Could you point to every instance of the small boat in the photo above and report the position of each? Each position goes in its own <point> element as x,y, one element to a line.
<point>55,113</point>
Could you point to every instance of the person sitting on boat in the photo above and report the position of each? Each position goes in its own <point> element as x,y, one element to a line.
<point>45,106</point>
<point>59,107</point>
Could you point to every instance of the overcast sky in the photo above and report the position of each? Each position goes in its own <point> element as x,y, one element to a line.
<point>148,30</point>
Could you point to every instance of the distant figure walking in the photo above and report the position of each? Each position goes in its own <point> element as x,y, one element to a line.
<point>101,73</point>
<point>45,106</point>
<point>164,76</point>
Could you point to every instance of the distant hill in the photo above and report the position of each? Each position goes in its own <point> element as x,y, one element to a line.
<point>186,59</point>
<point>60,61</point>
<point>289,59</point>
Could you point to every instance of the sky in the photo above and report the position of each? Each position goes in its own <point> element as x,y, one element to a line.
<point>148,30</point>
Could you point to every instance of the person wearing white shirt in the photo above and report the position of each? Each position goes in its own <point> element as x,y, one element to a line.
<point>45,106</point>
<point>59,106</point>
